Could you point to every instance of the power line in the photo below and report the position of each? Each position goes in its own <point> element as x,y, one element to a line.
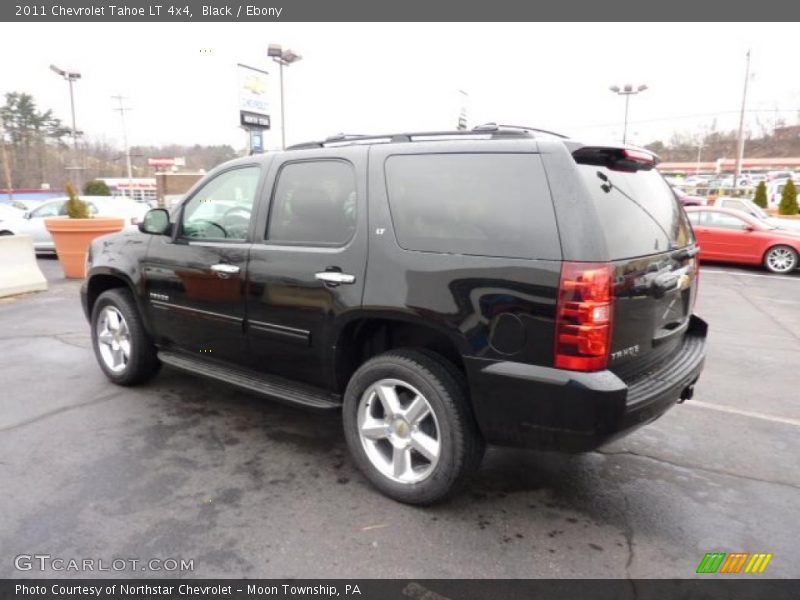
<point>692,116</point>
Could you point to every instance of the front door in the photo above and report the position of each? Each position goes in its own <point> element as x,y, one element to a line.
<point>306,271</point>
<point>724,237</point>
<point>195,278</point>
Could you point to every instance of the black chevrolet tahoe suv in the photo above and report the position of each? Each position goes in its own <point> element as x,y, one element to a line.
<point>446,290</point>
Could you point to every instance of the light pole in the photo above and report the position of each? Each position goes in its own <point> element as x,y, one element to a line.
<point>283,58</point>
<point>4,156</point>
<point>71,76</point>
<point>737,171</point>
<point>627,90</point>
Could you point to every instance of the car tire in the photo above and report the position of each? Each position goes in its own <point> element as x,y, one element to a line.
<point>121,345</point>
<point>409,457</point>
<point>781,259</point>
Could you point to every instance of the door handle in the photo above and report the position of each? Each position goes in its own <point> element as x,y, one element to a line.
<point>224,270</point>
<point>335,277</point>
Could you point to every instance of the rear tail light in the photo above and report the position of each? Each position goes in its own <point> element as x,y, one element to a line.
<point>641,157</point>
<point>583,316</point>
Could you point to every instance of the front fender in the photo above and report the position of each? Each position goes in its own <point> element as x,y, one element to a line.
<point>115,260</point>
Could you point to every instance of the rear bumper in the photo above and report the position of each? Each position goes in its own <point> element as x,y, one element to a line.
<point>552,409</point>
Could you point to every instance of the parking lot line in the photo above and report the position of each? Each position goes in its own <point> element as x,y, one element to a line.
<point>743,413</point>
<point>703,271</point>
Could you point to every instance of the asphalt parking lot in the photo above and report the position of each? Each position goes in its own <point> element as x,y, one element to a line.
<point>185,469</point>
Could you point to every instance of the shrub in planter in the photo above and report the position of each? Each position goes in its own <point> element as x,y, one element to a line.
<point>73,235</point>
<point>76,208</point>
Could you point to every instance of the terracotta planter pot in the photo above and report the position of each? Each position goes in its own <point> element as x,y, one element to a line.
<point>73,236</point>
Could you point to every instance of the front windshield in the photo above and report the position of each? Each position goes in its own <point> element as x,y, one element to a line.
<point>759,212</point>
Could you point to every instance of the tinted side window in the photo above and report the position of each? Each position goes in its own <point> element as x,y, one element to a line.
<point>733,204</point>
<point>314,203</point>
<point>481,204</point>
<point>223,206</point>
<point>52,209</point>
<point>723,221</point>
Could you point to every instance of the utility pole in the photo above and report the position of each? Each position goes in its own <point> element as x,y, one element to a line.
<point>700,145</point>
<point>121,110</point>
<point>6,164</point>
<point>740,140</point>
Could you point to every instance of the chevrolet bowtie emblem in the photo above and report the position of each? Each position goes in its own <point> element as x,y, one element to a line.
<point>255,85</point>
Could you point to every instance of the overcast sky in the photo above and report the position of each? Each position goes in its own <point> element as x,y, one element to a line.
<point>181,79</point>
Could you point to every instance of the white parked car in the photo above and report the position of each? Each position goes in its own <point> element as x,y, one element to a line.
<point>32,222</point>
<point>775,191</point>
<point>9,211</point>
<point>754,210</point>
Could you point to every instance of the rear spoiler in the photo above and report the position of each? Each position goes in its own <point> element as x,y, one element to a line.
<point>616,159</point>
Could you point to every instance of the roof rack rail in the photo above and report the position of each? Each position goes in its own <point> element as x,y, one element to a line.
<point>492,130</point>
<point>340,137</point>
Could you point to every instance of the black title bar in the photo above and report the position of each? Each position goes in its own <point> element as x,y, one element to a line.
<point>708,588</point>
<point>407,10</point>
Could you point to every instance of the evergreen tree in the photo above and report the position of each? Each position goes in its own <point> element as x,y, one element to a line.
<point>29,131</point>
<point>96,188</point>
<point>761,194</point>
<point>788,205</point>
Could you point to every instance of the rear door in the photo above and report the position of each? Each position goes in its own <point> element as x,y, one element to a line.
<point>653,254</point>
<point>307,267</point>
<point>705,236</point>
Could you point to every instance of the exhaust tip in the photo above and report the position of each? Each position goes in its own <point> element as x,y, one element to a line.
<point>686,394</point>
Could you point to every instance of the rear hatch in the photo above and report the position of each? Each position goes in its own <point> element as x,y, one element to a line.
<point>653,254</point>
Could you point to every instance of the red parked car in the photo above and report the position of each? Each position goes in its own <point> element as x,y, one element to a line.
<point>729,235</point>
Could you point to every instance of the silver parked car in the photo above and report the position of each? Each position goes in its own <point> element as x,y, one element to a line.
<point>32,222</point>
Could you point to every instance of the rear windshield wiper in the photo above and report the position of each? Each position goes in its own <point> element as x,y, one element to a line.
<point>608,185</point>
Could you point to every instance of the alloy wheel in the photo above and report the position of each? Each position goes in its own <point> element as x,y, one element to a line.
<point>781,259</point>
<point>399,431</point>
<point>113,339</point>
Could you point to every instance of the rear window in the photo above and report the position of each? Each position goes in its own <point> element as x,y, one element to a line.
<point>480,204</point>
<point>638,212</point>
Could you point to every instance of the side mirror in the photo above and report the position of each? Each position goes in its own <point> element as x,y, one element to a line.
<point>749,228</point>
<point>156,222</point>
<point>26,214</point>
